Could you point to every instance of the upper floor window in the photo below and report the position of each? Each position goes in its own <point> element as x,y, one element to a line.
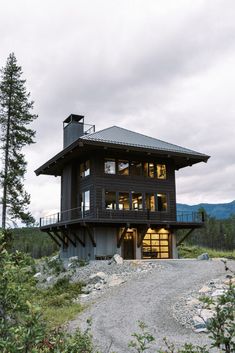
<point>149,169</point>
<point>85,200</point>
<point>123,167</point>
<point>85,169</point>
<point>161,202</point>
<point>110,166</point>
<point>123,201</point>
<point>161,171</point>
<point>150,201</point>
<point>110,200</point>
<point>137,199</point>
<point>136,168</point>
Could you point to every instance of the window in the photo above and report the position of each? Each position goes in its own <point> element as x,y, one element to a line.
<point>85,169</point>
<point>109,166</point>
<point>149,169</point>
<point>123,201</point>
<point>85,200</point>
<point>136,168</point>
<point>161,202</point>
<point>123,167</point>
<point>150,202</point>
<point>161,171</point>
<point>137,203</point>
<point>110,200</point>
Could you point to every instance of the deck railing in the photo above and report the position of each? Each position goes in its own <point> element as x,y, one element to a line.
<point>79,213</point>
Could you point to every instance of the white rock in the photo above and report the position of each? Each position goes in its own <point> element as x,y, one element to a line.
<point>99,286</point>
<point>206,314</point>
<point>37,275</point>
<point>204,256</point>
<point>205,289</point>
<point>50,279</point>
<point>218,292</point>
<point>114,280</point>
<point>193,302</point>
<point>117,259</point>
<point>102,275</point>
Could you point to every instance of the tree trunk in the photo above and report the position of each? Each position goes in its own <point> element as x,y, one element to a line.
<point>5,176</point>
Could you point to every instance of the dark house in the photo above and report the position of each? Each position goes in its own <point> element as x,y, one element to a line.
<point>117,193</point>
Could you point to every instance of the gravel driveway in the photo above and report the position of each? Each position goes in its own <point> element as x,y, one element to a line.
<point>149,298</point>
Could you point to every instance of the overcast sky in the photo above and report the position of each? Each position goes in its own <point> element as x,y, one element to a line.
<point>159,67</point>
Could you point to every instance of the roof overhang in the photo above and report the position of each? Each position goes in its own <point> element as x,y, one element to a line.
<point>81,147</point>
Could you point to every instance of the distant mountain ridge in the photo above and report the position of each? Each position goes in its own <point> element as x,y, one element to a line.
<point>217,210</point>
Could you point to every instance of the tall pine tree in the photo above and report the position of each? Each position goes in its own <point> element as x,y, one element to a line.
<point>15,114</point>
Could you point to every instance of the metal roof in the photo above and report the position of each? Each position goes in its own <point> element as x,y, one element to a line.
<point>120,136</point>
<point>117,137</point>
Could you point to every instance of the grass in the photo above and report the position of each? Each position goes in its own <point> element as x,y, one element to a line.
<point>191,252</point>
<point>57,302</point>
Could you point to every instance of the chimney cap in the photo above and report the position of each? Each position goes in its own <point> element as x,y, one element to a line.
<point>73,117</point>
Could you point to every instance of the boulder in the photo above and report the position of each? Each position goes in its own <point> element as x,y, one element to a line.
<point>204,256</point>
<point>117,259</point>
<point>218,292</point>
<point>114,280</point>
<point>206,314</point>
<point>97,277</point>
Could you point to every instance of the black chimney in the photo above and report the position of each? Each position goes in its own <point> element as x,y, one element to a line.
<point>73,128</point>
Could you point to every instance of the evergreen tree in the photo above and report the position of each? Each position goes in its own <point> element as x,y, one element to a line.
<point>15,115</point>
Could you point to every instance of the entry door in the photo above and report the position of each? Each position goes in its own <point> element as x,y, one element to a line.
<point>128,246</point>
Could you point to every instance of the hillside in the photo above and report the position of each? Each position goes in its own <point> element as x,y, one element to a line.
<point>219,210</point>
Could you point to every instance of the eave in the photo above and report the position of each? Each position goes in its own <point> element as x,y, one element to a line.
<point>80,147</point>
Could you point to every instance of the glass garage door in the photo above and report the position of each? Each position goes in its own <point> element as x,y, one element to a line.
<point>156,246</point>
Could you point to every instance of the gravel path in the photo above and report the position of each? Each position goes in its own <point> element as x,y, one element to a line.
<point>149,298</point>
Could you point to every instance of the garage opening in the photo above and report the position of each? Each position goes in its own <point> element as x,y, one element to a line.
<point>156,244</point>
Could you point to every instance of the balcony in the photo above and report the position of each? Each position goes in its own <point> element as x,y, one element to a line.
<point>77,215</point>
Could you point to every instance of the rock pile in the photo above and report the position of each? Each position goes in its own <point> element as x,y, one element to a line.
<point>192,313</point>
<point>96,276</point>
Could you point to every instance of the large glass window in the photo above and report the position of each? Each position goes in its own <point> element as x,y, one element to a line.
<point>150,201</point>
<point>85,169</point>
<point>109,166</point>
<point>110,200</point>
<point>149,169</point>
<point>85,200</point>
<point>136,168</point>
<point>161,171</point>
<point>137,201</point>
<point>123,167</point>
<point>161,202</point>
<point>123,201</point>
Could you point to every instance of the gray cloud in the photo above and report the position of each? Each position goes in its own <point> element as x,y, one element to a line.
<point>162,68</point>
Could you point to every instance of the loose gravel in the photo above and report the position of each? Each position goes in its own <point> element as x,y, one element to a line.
<point>153,292</point>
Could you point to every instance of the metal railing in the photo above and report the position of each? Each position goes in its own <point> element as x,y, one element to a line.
<point>79,213</point>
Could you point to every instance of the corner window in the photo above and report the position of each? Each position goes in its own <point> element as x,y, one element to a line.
<point>136,168</point>
<point>85,200</point>
<point>109,166</point>
<point>137,203</point>
<point>123,167</point>
<point>84,169</point>
<point>110,200</point>
<point>123,201</point>
<point>150,201</point>
<point>161,202</point>
<point>161,171</point>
